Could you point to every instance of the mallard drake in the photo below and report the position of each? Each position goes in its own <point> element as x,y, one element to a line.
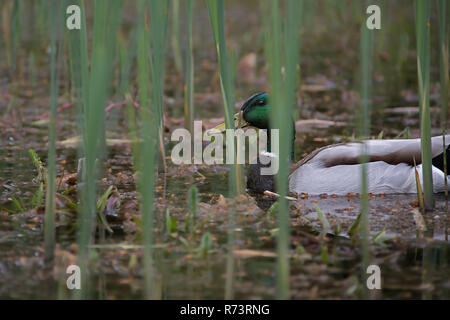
<point>335,169</point>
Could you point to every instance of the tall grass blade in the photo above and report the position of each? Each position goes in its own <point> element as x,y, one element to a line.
<point>283,78</point>
<point>79,70</point>
<point>217,19</point>
<point>147,160</point>
<point>15,28</point>
<point>55,59</point>
<point>152,119</point>
<point>91,90</point>
<point>80,83</point>
<point>41,7</point>
<point>158,35</point>
<point>6,30</point>
<point>175,36</point>
<point>364,132</point>
<point>192,201</point>
<point>418,187</point>
<point>444,32</point>
<point>127,54</point>
<point>189,73</point>
<point>422,18</point>
<point>133,131</point>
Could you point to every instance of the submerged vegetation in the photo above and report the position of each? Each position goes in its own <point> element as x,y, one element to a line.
<point>85,170</point>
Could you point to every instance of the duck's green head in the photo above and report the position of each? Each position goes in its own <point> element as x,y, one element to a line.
<point>256,111</point>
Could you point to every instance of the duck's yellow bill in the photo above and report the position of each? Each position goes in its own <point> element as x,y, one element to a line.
<point>239,122</point>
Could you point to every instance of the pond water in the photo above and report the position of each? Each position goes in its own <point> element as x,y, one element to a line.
<point>414,262</point>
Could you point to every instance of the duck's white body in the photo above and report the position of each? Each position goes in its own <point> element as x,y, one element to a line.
<point>335,169</point>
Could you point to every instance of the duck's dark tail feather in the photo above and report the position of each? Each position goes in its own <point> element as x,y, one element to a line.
<point>438,161</point>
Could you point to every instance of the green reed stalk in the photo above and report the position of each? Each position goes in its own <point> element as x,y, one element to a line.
<point>55,58</point>
<point>78,51</point>
<point>366,49</point>
<point>158,37</point>
<point>283,39</point>
<point>444,78</point>
<point>147,162</point>
<point>91,90</point>
<point>175,36</point>
<point>226,63</point>
<point>189,73</point>
<point>16,22</point>
<point>152,119</point>
<point>10,24</point>
<point>217,19</point>
<point>87,178</point>
<point>422,16</point>
<point>6,33</point>
<point>131,115</point>
<point>127,54</point>
<point>41,12</point>
<point>79,69</point>
<point>145,108</point>
<point>216,15</point>
<point>114,15</point>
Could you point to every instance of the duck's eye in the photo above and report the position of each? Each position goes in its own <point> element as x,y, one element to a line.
<point>260,102</point>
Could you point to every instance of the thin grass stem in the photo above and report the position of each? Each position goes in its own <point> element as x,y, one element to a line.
<point>366,52</point>
<point>444,32</point>
<point>422,18</point>
<point>55,59</point>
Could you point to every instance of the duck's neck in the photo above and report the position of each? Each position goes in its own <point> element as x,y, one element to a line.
<point>259,183</point>
<point>291,141</point>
